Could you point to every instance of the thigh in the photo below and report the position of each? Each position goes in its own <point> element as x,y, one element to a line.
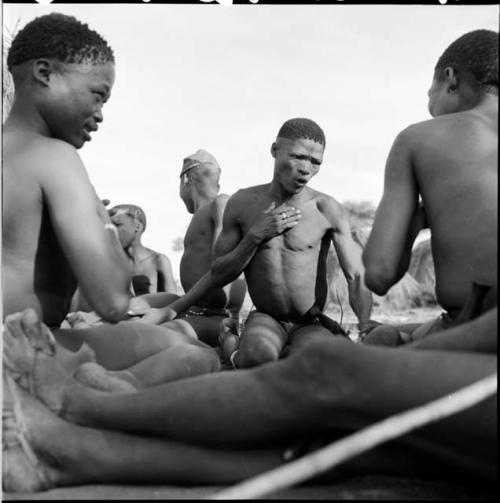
<point>121,345</point>
<point>262,329</point>
<point>340,384</point>
<point>305,334</point>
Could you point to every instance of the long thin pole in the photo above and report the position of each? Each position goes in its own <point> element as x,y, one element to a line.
<point>324,459</point>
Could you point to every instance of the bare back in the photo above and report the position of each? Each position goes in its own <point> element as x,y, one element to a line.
<point>456,168</point>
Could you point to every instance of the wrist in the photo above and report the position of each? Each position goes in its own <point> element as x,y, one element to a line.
<point>254,237</point>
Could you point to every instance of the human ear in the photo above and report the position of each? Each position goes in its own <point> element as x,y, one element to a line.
<point>274,148</point>
<point>42,69</point>
<point>451,79</point>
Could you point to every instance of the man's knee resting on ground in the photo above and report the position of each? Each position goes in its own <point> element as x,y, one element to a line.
<point>258,351</point>
<point>201,355</point>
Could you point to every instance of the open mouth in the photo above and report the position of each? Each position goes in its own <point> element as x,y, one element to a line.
<point>86,132</point>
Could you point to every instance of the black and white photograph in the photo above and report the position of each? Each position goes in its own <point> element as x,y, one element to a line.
<point>249,250</point>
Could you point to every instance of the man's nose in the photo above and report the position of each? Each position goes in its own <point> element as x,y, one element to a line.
<point>304,168</point>
<point>98,115</point>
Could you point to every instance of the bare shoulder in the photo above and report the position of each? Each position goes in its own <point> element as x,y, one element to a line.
<point>334,212</point>
<point>242,197</point>
<point>219,203</point>
<point>432,131</point>
<point>56,158</point>
<point>326,202</point>
<point>161,258</point>
<point>253,192</point>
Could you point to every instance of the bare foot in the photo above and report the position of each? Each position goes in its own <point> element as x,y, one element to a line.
<point>28,359</point>
<point>94,375</point>
<point>33,443</point>
<point>23,336</point>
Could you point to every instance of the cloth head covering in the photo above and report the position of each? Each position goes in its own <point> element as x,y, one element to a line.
<point>199,158</point>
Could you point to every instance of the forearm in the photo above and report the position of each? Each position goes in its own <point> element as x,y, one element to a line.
<point>360,298</point>
<point>418,222</point>
<point>203,287</point>
<point>479,335</point>
<point>227,268</point>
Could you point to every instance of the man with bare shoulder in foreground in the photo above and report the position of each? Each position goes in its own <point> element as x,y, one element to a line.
<point>48,199</point>
<point>451,162</point>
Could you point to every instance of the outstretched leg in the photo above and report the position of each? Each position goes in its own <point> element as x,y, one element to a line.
<point>65,454</point>
<point>327,385</point>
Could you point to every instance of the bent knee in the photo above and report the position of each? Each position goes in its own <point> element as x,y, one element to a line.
<point>384,335</point>
<point>202,357</point>
<point>257,353</point>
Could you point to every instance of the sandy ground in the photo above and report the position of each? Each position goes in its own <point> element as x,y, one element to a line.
<point>357,488</point>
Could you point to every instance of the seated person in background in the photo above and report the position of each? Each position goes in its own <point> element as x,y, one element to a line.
<point>46,190</point>
<point>152,271</point>
<point>451,162</point>
<point>199,190</point>
<point>279,234</point>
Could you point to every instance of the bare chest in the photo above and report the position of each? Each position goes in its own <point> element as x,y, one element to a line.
<point>306,236</point>
<point>200,232</point>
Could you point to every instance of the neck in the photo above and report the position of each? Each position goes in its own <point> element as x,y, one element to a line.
<point>136,249</point>
<point>25,115</point>
<point>280,195</point>
<point>201,199</point>
<point>488,104</point>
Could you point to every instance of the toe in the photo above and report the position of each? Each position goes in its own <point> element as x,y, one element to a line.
<point>12,325</point>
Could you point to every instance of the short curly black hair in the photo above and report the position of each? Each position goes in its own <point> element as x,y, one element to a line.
<point>60,37</point>
<point>475,52</point>
<point>293,129</point>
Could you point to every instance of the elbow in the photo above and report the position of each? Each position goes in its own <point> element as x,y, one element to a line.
<point>113,310</point>
<point>379,274</point>
<point>379,279</point>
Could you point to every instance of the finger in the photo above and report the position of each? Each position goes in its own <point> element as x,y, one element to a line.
<point>291,218</point>
<point>286,211</point>
<point>271,207</point>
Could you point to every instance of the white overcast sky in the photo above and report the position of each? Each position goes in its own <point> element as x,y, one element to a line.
<point>226,78</point>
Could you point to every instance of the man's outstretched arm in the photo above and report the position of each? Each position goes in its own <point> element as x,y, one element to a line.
<point>232,252</point>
